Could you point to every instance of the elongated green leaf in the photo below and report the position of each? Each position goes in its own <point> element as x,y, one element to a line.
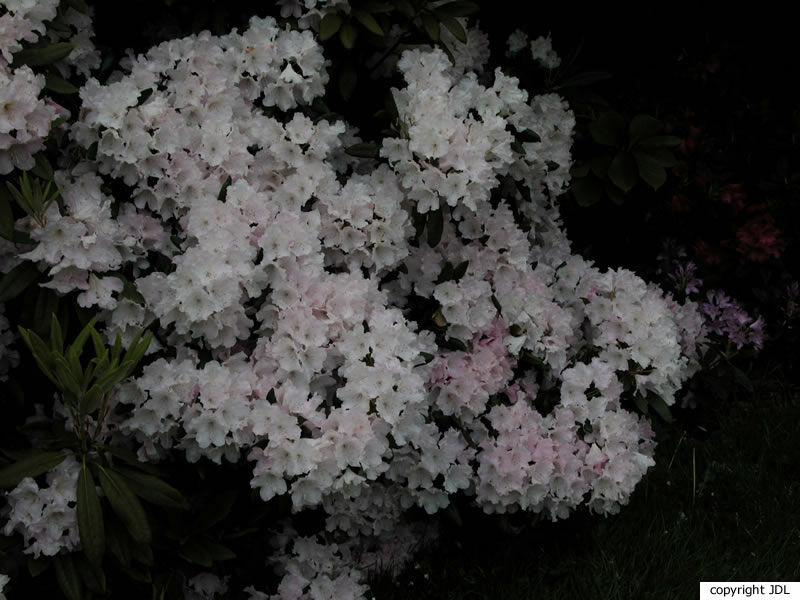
<point>431,26</point>
<point>17,280</point>
<point>368,21</point>
<point>741,378</point>
<point>460,270</point>
<point>126,505</point>
<point>41,353</point>
<point>59,85</point>
<point>90,518</point>
<point>459,9</point>
<point>33,465</point>
<point>348,34</point>
<point>622,171</point>
<point>196,553</point>
<point>67,577</point>
<point>348,79</point>
<point>584,78</point>
<point>329,26</point>
<point>660,407</point>
<point>130,458</point>
<point>46,55</point>
<point>37,566</point>
<point>223,191</point>
<point>363,150</point>
<point>153,489</point>
<point>92,575</point>
<point>641,402</point>
<point>43,167</point>
<point>79,5</point>
<point>215,511</point>
<point>6,215</point>
<point>83,337</point>
<point>435,227</point>
<point>453,26</point>
<point>56,338</point>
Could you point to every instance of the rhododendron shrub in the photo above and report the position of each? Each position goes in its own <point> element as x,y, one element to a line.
<point>368,335</point>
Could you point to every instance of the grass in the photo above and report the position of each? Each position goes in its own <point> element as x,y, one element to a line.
<point>724,508</point>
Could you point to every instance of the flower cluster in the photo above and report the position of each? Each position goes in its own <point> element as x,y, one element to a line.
<point>283,283</point>
<point>25,119</point>
<point>729,320</point>
<point>46,516</point>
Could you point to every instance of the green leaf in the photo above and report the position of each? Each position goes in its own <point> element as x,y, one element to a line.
<point>59,85</point>
<point>363,150</point>
<point>459,9</point>
<point>348,79</point>
<point>431,26</point>
<point>56,338</point>
<point>33,465</point>
<point>741,378</point>
<point>215,511</point>
<point>83,337</point>
<point>622,171</point>
<point>368,21</point>
<point>460,270</point>
<point>608,129</point>
<point>650,170</point>
<point>90,518</point>
<point>153,489</point>
<point>587,191</point>
<point>125,505</point>
<point>643,126</point>
<point>6,215</point>
<point>92,575</point>
<point>79,5</point>
<point>130,458</point>
<point>528,135</point>
<point>435,227</point>
<point>329,26</point>
<point>43,168</point>
<point>46,55</point>
<point>67,577</point>
<point>348,34</point>
<point>578,171</point>
<point>641,403</point>
<point>17,280</point>
<point>454,27</point>
<point>614,194</point>
<point>223,191</point>
<point>660,407</point>
<point>119,542</point>
<point>660,140</point>
<point>41,353</point>
<point>661,155</point>
<point>205,552</point>
<point>37,566</point>
<point>585,78</point>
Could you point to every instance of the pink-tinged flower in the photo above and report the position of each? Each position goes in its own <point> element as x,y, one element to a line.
<point>683,278</point>
<point>727,318</point>
<point>733,195</point>
<point>759,238</point>
<point>679,203</point>
<point>709,254</point>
